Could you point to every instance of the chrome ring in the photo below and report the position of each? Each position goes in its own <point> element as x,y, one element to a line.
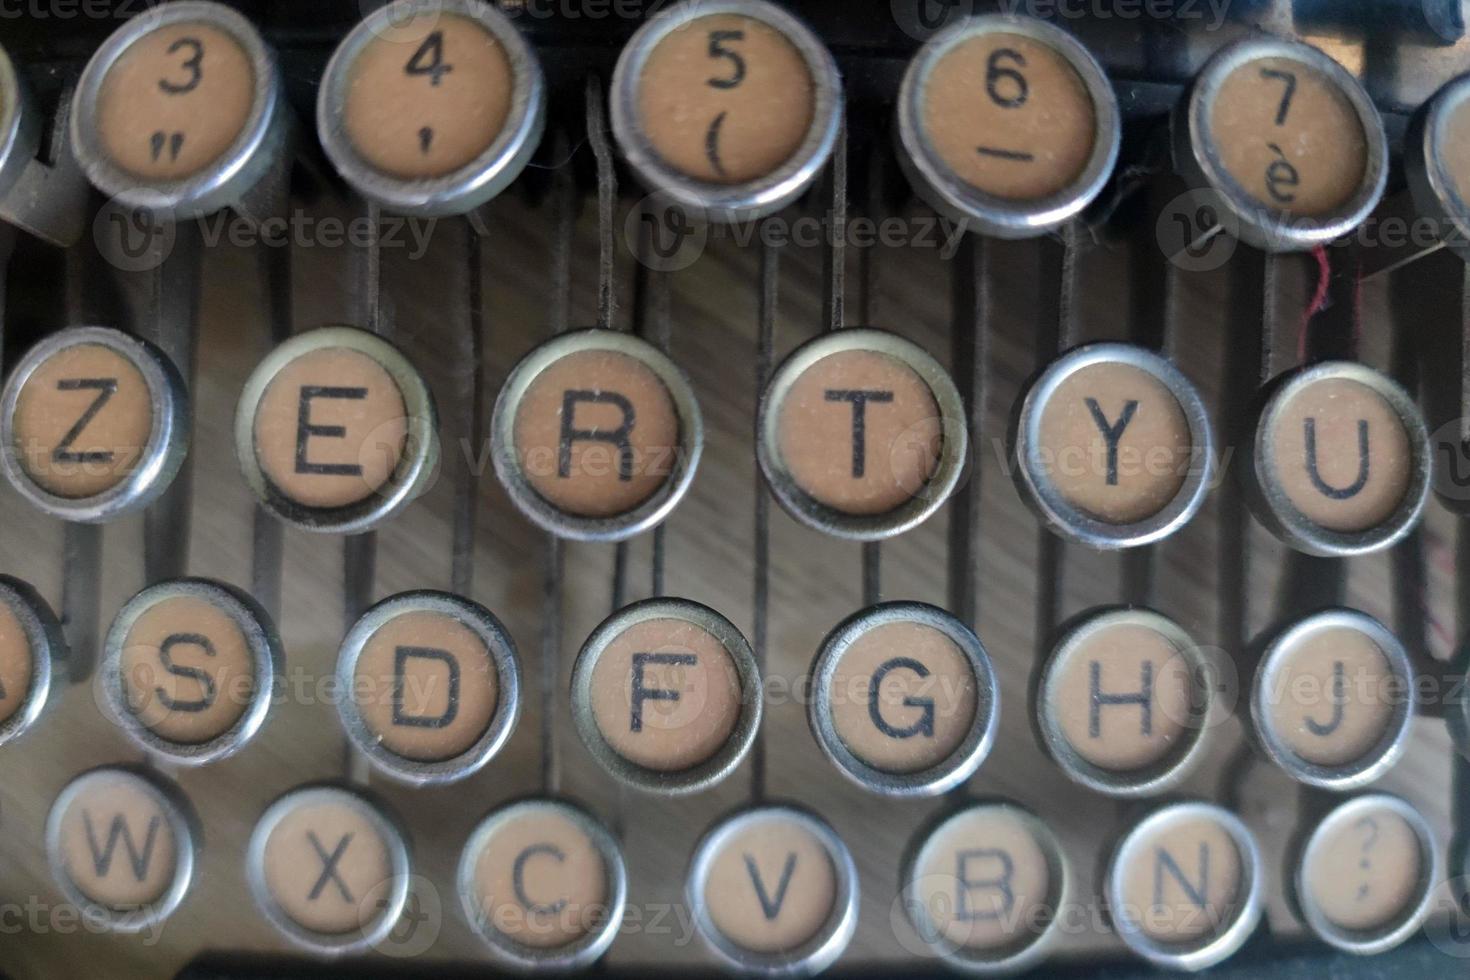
<point>48,648</point>
<point>1431,184</point>
<point>20,130</point>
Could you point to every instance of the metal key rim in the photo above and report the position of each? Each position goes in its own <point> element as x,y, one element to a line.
<point>162,455</point>
<point>1431,184</point>
<point>578,954</point>
<point>1073,522</point>
<point>394,842</point>
<point>544,513</point>
<point>1168,770</point>
<point>499,649</point>
<point>954,427</point>
<point>267,654</point>
<point>470,185</point>
<point>410,477</point>
<point>1380,939</point>
<point>222,181</point>
<point>182,824</point>
<point>728,202</point>
<point>807,958</point>
<point>991,214</point>
<point>20,130</point>
<point>1390,746</point>
<point>1199,161</point>
<point>48,648</point>
<point>701,775</point>
<point>1277,511</point>
<point>963,760</point>
<point>1209,950</point>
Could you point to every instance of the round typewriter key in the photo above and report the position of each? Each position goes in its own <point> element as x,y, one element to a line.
<point>543,883</point>
<point>1341,461</point>
<point>1184,886</point>
<point>774,892</point>
<point>336,431</point>
<point>94,423</point>
<point>1366,874</point>
<point>20,127</point>
<point>861,434</point>
<point>904,700</point>
<point>1113,446</point>
<point>31,643</point>
<point>1334,699</point>
<point>121,846</point>
<point>730,107</point>
<point>329,869</point>
<point>432,108</point>
<point>180,110</point>
<point>1124,702</point>
<point>1436,161</point>
<point>597,435</point>
<point>667,696</point>
<point>1287,139</point>
<point>983,888</point>
<point>435,686</point>
<point>188,669</point>
<point>1007,124</point>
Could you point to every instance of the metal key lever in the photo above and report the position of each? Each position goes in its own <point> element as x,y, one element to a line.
<point>46,199</point>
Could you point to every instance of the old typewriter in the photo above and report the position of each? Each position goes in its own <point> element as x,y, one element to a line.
<point>734,487</point>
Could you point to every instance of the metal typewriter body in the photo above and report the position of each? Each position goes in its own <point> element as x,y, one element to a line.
<point>567,246</point>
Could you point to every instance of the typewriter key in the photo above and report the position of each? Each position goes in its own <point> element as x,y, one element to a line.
<point>188,669</point>
<point>20,126</point>
<point>1288,141</point>
<point>328,869</point>
<point>180,111</point>
<point>1340,464</point>
<point>730,107</point>
<point>861,434</point>
<point>543,883</point>
<point>667,696</point>
<point>984,888</point>
<point>1112,446</point>
<point>94,423</point>
<point>1007,124</point>
<point>122,847</point>
<point>432,108</point>
<point>903,699</point>
<point>435,686</point>
<point>1436,158</point>
<point>1184,886</point>
<point>774,892</point>
<point>1366,874</point>
<point>1334,699</point>
<point>1124,702</point>
<point>31,645</point>
<point>336,431</point>
<point>597,435</point>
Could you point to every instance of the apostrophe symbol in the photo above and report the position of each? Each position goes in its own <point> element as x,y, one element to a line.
<point>426,139</point>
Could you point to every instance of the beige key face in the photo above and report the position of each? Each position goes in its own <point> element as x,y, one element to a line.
<point>903,697</point>
<point>428,97</point>
<point>187,670</point>
<point>984,880</point>
<point>331,428</point>
<point>1185,880</point>
<point>327,867</point>
<point>860,432</point>
<point>1363,872</point>
<point>597,433</point>
<point>666,694</point>
<point>1341,455</point>
<point>1009,116</point>
<point>725,99</point>
<point>117,845</point>
<point>772,886</point>
<point>1333,696</point>
<point>426,686</point>
<point>1454,150</point>
<point>1287,134</point>
<point>1123,697</point>
<point>175,101</point>
<point>17,663</point>
<point>1115,442</point>
<point>541,880</point>
<point>82,421</point>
